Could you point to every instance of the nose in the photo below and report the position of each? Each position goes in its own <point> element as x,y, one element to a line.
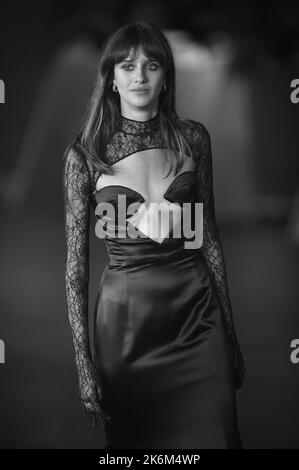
<point>140,75</point>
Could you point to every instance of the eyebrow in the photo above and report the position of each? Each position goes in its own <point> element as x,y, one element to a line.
<point>149,60</point>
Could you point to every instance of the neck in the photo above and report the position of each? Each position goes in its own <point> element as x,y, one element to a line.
<point>139,116</point>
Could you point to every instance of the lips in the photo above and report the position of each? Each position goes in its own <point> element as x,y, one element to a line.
<point>140,90</point>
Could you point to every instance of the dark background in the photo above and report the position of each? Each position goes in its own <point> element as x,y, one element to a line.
<point>247,55</point>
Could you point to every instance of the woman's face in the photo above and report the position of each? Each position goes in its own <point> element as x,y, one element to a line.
<point>141,73</point>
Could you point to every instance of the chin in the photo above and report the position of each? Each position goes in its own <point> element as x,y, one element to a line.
<point>143,101</point>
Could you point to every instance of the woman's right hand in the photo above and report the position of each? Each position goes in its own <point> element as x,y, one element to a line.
<point>91,395</point>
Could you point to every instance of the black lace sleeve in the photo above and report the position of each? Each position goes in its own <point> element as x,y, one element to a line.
<point>212,249</point>
<point>77,197</point>
<point>76,185</point>
<point>77,190</point>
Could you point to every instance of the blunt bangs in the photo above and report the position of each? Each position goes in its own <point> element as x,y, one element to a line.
<point>131,40</point>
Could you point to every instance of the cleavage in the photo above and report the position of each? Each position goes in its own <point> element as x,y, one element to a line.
<point>144,173</point>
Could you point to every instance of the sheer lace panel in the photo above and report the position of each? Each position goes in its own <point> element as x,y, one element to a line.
<point>124,144</point>
<point>212,248</point>
<point>133,137</point>
<point>77,189</point>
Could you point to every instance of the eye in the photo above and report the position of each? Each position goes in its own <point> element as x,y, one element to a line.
<point>151,66</point>
<point>126,66</point>
<point>154,66</point>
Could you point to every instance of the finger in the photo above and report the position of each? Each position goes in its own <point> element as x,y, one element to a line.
<point>104,414</point>
<point>101,413</point>
<point>88,406</point>
<point>91,413</point>
<point>92,405</point>
<point>94,419</point>
<point>105,417</point>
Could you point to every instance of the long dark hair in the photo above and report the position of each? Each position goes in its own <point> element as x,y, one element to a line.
<point>103,113</point>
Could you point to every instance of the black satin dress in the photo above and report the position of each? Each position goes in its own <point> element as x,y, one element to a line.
<point>160,347</point>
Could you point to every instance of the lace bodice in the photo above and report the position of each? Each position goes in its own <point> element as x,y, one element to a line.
<point>79,182</point>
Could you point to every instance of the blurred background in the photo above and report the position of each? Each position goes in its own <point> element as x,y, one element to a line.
<point>235,62</point>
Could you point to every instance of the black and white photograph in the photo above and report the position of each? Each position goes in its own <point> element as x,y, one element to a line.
<point>149,206</point>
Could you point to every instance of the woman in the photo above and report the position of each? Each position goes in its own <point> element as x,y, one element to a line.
<point>165,361</point>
